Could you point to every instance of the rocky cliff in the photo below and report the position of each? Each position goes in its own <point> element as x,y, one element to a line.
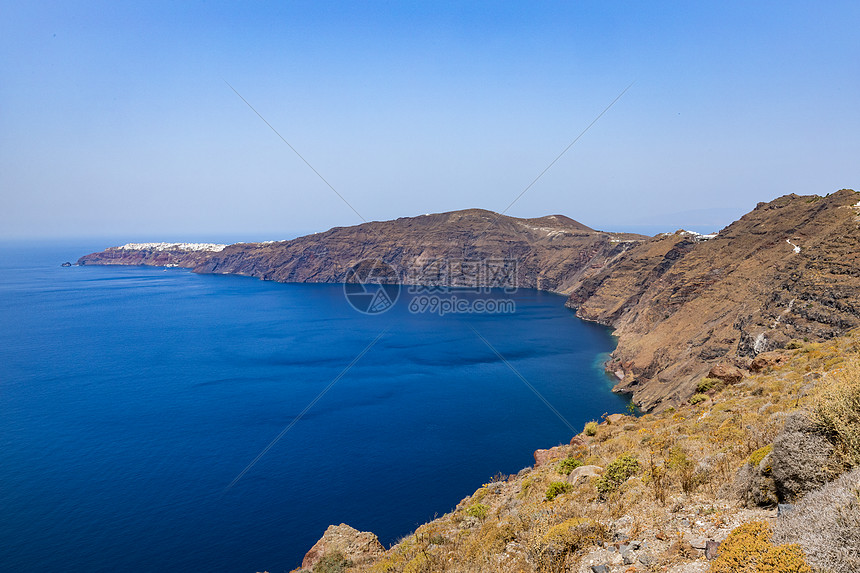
<point>188,255</point>
<point>788,270</point>
<point>550,253</point>
<point>681,306</point>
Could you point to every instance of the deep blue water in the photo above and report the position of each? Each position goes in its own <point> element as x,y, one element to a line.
<point>130,397</point>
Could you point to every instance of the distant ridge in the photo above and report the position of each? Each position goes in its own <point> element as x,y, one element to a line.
<point>551,252</point>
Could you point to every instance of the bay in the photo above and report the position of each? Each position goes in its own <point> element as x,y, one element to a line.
<point>131,398</point>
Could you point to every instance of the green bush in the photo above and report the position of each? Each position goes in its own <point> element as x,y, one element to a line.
<point>569,464</point>
<point>706,384</point>
<point>697,398</point>
<point>334,562</point>
<point>757,456</point>
<point>557,488</point>
<point>616,473</point>
<point>478,510</point>
<point>591,428</point>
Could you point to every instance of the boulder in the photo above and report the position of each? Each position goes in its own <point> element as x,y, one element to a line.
<point>694,567</point>
<point>614,418</point>
<point>578,442</point>
<point>628,557</point>
<point>712,549</point>
<point>357,546</point>
<point>768,360</point>
<point>584,473</point>
<point>621,528</point>
<point>544,456</point>
<point>682,549</point>
<point>727,373</point>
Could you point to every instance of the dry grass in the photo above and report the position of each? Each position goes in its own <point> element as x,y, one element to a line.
<point>837,411</point>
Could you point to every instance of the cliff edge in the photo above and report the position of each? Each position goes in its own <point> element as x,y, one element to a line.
<point>682,307</point>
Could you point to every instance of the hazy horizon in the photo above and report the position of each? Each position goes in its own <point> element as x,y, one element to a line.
<point>118,120</point>
<point>695,223</point>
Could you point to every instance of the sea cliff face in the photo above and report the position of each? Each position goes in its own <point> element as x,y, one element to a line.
<point>682,305</point>
<point>788,270</point>
<point>549,253</point>
<point>187,255</point>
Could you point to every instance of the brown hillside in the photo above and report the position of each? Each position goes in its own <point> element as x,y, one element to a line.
<point>680,306</point>
<point>550,253</point>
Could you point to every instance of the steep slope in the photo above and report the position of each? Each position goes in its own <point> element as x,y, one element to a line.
<point>790,269</point>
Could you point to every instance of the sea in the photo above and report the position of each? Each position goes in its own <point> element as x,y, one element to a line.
<point>157,419</point>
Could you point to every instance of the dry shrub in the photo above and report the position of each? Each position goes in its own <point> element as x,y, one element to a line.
<point>743,548</point>
<point>837,412</point>
<point>616,473</point>
<point>783,559</point>
<point>748,548</point>
<point>491,539</point>
<point>570,536</point>
<point>575,534</point>
<point>333,562</point>
<point>802,458</point>
<point>826,524</point>
<point>683,468</point>
<point>656,477</point>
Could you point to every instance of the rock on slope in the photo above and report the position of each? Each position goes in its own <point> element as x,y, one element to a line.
<point>790,269</point>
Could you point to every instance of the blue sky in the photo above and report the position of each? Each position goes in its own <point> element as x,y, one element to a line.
<point>115,119</point>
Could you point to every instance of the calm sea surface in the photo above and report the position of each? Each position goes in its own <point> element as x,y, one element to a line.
<point>131,397</point>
